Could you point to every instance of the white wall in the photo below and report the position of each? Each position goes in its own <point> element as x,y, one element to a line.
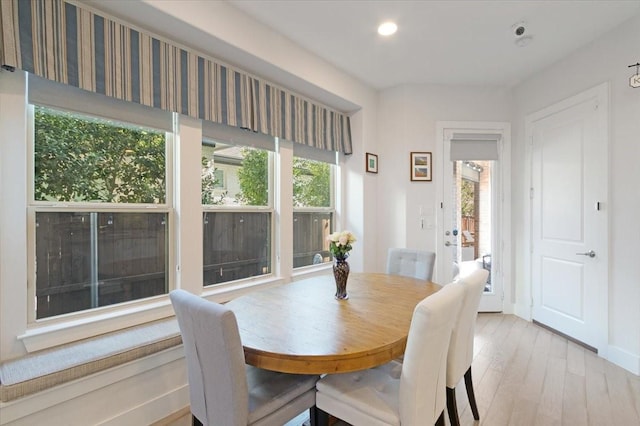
<point>604,60</point>
<point>407,117</point>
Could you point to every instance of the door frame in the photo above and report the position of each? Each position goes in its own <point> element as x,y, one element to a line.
<point>601,94</point>
<point>503,268</point>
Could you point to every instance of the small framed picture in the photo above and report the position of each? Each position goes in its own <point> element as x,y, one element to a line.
<point>421,169</point>
<point>372,163</point>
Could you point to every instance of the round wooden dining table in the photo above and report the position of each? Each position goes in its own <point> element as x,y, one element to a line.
<point>301,328</point>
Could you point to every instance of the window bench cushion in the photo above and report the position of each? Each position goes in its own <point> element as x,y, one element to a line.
<point>44,369</point>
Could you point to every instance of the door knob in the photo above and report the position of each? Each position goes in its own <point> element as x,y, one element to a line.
<point>447,243</point>
<point>590,253</point>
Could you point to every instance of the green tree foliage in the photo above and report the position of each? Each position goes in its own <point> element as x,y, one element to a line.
<point>253,177</point>
<point>467,198</point>
<point>311,183</point>
<point>81,159</point>
<point>311,180</point>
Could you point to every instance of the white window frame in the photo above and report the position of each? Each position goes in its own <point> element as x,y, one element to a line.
<point>331,158</point>
<point>35,207</point>
<point>220,174</point>
<point>242,138</point>
<point>53,331</point>
<point>18,335</point>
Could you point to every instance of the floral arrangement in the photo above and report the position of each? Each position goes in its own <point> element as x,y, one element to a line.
<point>340,243</point>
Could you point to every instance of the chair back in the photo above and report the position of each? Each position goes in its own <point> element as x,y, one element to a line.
<point>411,263</point>
<point>422,394</point>
<point>218,389</point>
<point>461,347</point>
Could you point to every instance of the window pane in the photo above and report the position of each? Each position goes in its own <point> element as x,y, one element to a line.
<point>233,175</point>
<point>88,259</point>
<point>311,191</point>
<point>311,183</point>
<point>81,158</point>
<point>310,231</point>
<point>236,245</point>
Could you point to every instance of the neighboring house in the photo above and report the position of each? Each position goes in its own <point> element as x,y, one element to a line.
<point>228,160</point>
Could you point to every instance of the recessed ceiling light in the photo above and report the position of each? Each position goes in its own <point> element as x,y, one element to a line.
<point>387,28</point>
<point>522,34</point>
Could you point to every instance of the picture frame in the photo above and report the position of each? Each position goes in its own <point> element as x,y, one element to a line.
<point>421,166</point>
<point>371,161</point>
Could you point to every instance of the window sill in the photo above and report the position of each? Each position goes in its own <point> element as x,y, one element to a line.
<point>74,357</point>
<point>224,292</point>
<point>44,336</point>
<point>45,369</point>
<point>312,271</point>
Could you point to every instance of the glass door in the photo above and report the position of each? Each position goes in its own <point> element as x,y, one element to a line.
<point>471,215</point>
<point>470,221</point>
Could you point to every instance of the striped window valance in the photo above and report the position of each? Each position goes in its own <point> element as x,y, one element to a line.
<point>63,42</point>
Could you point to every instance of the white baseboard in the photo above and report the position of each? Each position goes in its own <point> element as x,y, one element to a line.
<point>624,359</point>
<point>507,308</point>
<point>615,355</point>
<point>522,311</point>
<point>153,410</point>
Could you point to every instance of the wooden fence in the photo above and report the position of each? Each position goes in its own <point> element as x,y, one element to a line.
<point>129,259</point>
<point>236,245</point>
<point>310,231</point>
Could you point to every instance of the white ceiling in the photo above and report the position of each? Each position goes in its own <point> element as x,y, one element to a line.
<point>440,42</point>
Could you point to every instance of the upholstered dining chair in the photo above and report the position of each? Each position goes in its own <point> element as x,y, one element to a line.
<point>411,263</point>
<point>223,390</point>
<point>460,353</point>
<point>411,393</point>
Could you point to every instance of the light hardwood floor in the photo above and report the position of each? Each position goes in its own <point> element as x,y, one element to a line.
<point>526,375</point>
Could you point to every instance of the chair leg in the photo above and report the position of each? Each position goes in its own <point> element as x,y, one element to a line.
<point>452,407</point>
<point>468,382</point>
<point>440,421</point>
<point>313,416</point>
<point>321,417</point>
<point>195,421</point>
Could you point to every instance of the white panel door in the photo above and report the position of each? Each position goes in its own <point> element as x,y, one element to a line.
<point>569,222</point>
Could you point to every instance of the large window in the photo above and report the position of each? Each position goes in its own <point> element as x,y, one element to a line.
<point>96,240</point>
<point>122,203</point>
<point>313,211</point>
<point>237,217</point>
